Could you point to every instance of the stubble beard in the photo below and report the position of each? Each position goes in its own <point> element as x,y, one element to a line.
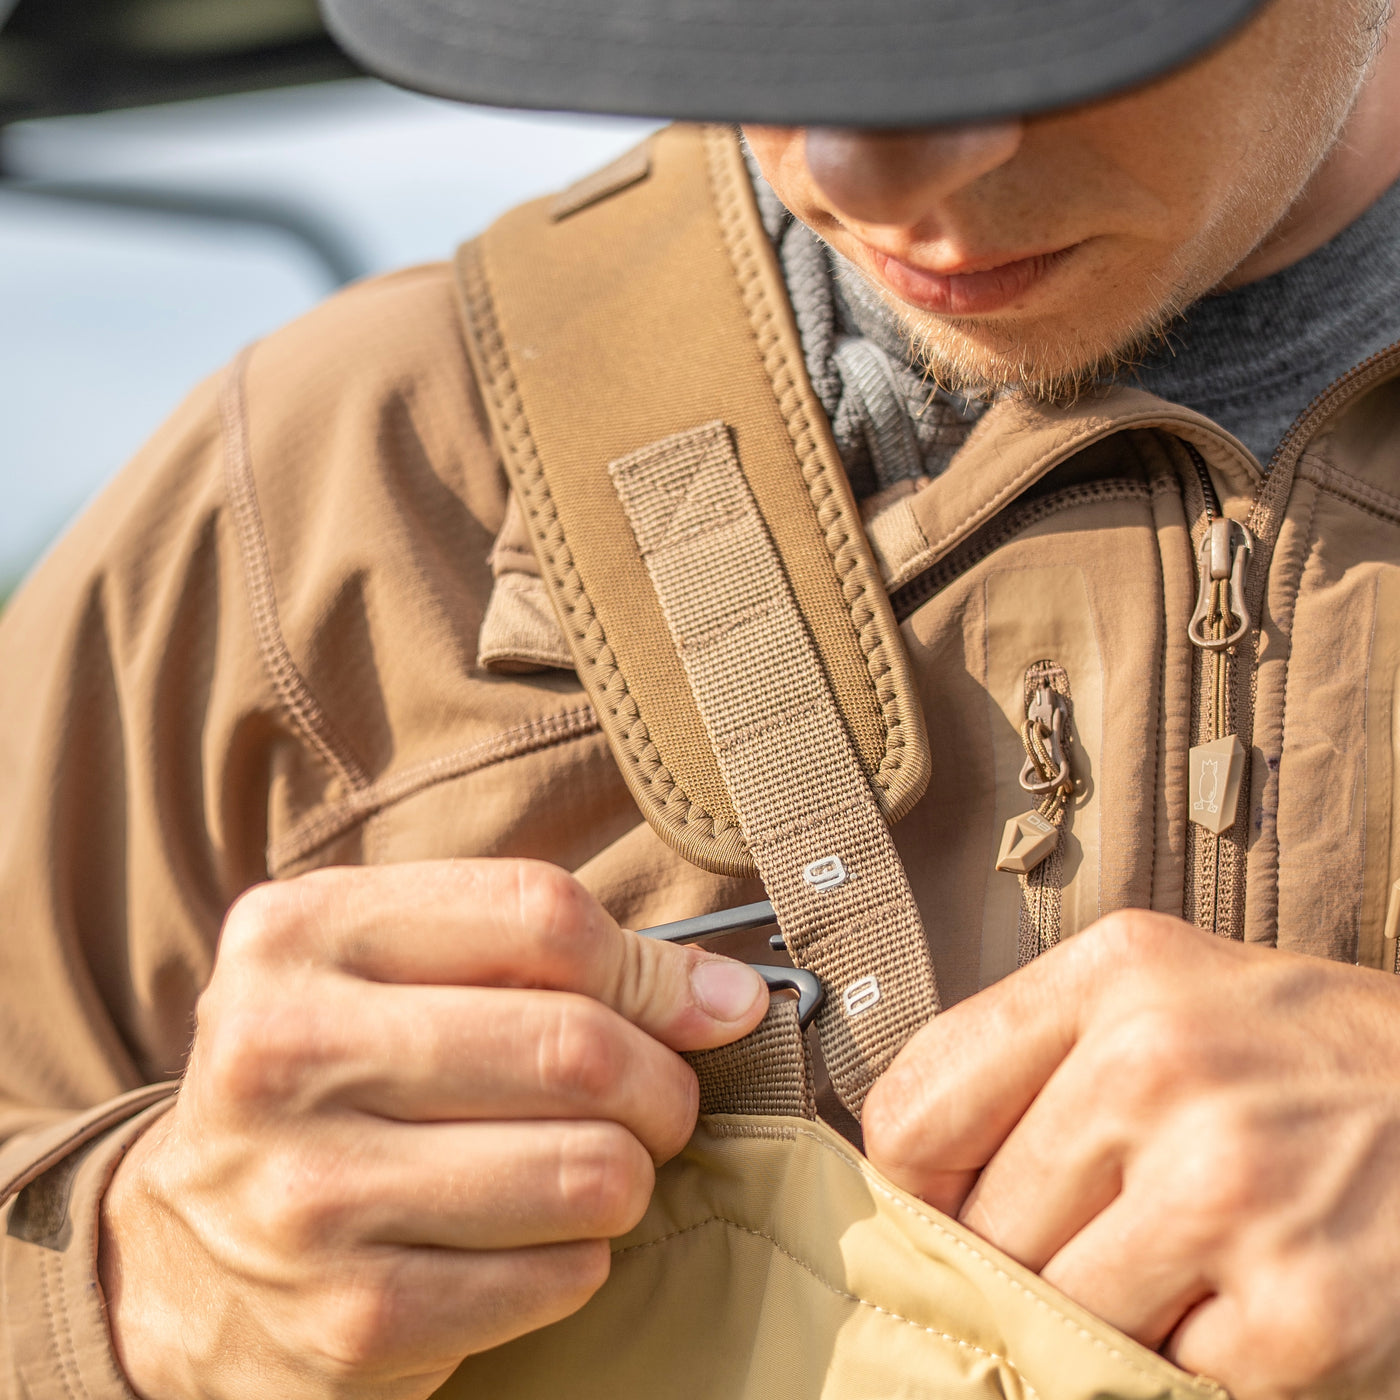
<point>1058,362</point>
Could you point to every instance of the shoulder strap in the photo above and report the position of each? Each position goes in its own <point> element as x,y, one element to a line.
<point>714,583</point>
<point>597,330</point>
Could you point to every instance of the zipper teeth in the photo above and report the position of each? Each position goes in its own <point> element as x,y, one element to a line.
<point>1207,485</point>
<point>1205,864</point>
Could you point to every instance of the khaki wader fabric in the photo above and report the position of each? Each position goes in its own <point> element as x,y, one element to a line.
<point>775,1263</point>
<point>736,640</point>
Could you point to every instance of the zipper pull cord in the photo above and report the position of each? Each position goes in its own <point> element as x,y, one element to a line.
<point>1221,618</point>
<point>1046,769</point>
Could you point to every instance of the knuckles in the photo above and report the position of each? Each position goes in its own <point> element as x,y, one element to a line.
<point>302,1200</point>
<point>359,1329</point>
<point>1130,941</point>
<point>269,920</point>
<point>1305,1330</point>
<point>1153,1055</point>
<point>555,914</point>
<point>579,1059</point>
<point>604,1179</point>
<point>251,1054</point>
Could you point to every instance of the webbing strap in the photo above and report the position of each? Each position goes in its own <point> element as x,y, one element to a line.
<point>801,796</point>
<point>769,1071</point>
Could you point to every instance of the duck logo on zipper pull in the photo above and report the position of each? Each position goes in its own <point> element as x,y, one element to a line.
<point>1221,619</point>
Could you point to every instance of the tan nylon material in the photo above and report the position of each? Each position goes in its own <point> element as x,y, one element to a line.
<point>792,772</point>
<point>774,1262</point>
<point>768,1072</point>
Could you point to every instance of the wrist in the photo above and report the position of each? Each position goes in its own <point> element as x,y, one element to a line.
<point>147,1310</point>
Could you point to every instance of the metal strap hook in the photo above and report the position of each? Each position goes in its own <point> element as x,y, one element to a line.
<point>810,992</point>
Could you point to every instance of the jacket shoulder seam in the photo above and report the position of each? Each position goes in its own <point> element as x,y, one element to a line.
<point>299,704</point>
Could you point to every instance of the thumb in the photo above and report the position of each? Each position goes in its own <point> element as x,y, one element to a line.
<point>684,997</point>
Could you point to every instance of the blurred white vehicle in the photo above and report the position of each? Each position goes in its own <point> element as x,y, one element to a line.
<point>108,314</point>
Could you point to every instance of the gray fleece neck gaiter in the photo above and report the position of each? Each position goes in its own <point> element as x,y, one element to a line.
<point>1250,359</point>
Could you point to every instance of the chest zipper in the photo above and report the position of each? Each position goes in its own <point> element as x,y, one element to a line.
<point>1215,855</point>
<point>1222,701</point>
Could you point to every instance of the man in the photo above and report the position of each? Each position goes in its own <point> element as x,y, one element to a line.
<point>424,1093</point>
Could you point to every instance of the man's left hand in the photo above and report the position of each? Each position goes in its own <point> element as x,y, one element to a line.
<point>1198,1140</point>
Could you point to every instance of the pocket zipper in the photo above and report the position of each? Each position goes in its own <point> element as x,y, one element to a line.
<point>1032,843</point>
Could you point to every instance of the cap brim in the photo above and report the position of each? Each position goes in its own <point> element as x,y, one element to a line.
<point>889,63</point>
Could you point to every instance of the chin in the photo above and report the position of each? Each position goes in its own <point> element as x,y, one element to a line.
<point>1054,356</point>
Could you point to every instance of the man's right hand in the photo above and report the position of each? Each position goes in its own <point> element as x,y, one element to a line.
<point>420,1100</point>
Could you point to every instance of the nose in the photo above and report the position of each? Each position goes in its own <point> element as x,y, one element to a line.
<point>891,177</point>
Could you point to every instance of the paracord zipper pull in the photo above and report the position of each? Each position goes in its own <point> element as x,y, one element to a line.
<point>1029,838</point>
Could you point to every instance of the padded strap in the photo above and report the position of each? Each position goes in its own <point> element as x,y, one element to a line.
<point>802,798</point>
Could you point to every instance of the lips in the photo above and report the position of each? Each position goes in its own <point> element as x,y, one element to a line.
<point>970,293</point>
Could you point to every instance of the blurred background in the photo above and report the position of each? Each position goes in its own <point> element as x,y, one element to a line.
<point>178,177</point>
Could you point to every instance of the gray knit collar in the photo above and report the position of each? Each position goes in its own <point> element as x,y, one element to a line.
<point>1252,359</point>
<point>890,423</point>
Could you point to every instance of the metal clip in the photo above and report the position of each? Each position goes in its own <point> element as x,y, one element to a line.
<point>1047,709</point>
<point>807,985</point>
<point>1224,558</point>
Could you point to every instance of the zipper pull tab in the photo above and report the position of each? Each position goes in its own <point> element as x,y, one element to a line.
<point>1216,772</point>
<point>1046,766</point>
<point>1223,563</point>
<point>1221,619</point>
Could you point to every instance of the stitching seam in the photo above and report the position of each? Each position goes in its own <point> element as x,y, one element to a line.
<point>979,1257</point>
<point>833,1288</point>
<point>734,738</point>
<point>59,1333</point>
<point>1355,492</point>
<point>300,705</point>
<point>328,823</point>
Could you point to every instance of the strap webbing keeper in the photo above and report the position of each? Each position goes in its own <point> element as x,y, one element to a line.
<point>802,799</point>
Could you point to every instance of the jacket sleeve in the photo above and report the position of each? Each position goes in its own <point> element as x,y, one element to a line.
<point>137,734</point>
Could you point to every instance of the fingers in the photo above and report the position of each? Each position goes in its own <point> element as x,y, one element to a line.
<point>502,923</point>
<point>1127,1267</point>
<point>1030,1202</point>
<point>472,1186</point>
<point>955,1092</point>
<point>428,1054</point>
<point>420,1311</point>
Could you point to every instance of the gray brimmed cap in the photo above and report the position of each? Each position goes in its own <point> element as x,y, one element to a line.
<point>787,62</point>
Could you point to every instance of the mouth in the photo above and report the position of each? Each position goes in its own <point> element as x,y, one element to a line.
<point>973,288</point>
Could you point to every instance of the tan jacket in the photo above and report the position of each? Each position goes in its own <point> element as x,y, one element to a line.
<point>262,651</point>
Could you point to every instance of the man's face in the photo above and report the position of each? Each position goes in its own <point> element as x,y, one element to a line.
<point>1039,252</point>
